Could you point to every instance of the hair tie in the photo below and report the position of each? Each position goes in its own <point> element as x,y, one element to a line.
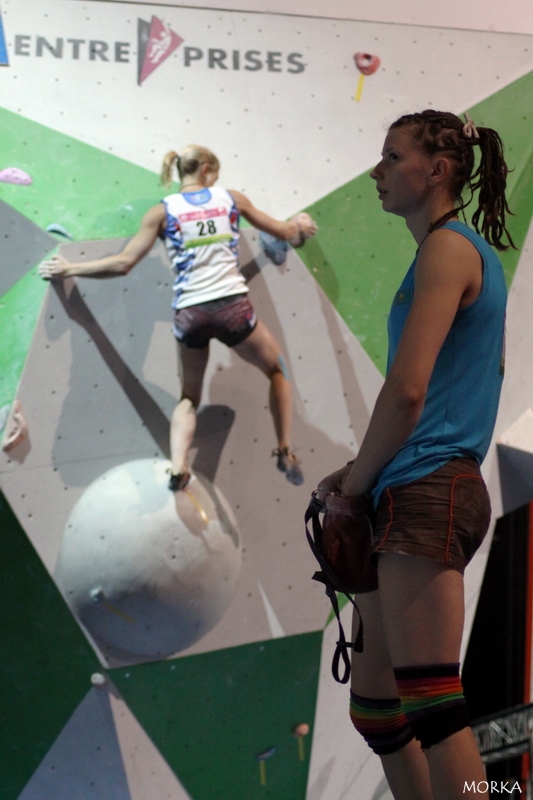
<point>469,129</point>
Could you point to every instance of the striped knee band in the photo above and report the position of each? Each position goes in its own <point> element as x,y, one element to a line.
<point>433,701</point>
<point>381,723</point>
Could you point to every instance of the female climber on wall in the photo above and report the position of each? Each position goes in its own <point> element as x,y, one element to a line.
<point>200,228</point>
<point>429,432</point>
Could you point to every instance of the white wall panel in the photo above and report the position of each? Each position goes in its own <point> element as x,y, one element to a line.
<point>512,17</point>
<point>286,138</point>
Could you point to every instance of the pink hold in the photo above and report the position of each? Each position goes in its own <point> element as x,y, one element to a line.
<point>15,175</point>
<point>367,63</point>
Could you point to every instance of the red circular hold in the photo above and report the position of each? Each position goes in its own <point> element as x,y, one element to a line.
<point>366,63</point>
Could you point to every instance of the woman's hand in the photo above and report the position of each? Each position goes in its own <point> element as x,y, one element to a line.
<point>115,266</point>
<point>55,269</point>
<point>333,482</point>
<point>307,227</point>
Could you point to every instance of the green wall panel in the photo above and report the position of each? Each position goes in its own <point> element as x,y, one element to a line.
<point>211,715</point>
<point>46,662</point>
<point>360,253</point>
<point>92,193</point>
<point>359,257</point>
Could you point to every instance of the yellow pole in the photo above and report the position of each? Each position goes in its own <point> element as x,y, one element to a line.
<point>359,91</point>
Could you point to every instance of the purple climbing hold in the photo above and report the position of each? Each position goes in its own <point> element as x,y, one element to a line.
<point>15,175</point>
<point>266,754</point>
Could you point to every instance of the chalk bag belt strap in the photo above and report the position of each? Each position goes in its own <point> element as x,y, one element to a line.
<point>328,577</point>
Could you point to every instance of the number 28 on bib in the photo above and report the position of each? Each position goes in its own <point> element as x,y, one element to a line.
<point>205,226</point>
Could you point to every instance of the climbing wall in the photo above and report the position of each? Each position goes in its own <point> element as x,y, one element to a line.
<point>86,416</point>
<point>92,365</point>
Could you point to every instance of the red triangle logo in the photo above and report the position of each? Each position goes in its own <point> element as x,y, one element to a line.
<point>162,41</point>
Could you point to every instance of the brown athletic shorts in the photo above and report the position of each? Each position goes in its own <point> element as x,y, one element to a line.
<point>229,319</point>
<point>443,516</point>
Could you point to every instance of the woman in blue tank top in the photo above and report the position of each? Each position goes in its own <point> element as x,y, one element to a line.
<point>200,226</point>
<point>428,434</point>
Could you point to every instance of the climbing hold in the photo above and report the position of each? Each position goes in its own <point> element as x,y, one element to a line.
<point>55,227</point>
<point>275,249</point>
<point>367,64</point>
<point>15,175</point>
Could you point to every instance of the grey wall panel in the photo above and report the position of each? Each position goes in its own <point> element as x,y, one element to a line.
<point>85,762</point>
<point>149,776</point>
<point>99,388</point>
<point>23,246</point>
<point>516,475</point>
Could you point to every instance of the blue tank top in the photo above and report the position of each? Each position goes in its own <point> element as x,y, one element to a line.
<point>464,390</point>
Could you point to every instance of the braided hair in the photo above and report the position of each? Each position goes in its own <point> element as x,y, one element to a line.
<point>443,132</point>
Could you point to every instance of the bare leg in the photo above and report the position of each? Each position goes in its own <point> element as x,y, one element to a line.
<point>261,349</point>
<point>280,403</point>
<point>191,365</point>
<point>407,773</point>
<point>182,428</point>
<point>423,615</point>
<point>406,770</point>
<point>453,762</point>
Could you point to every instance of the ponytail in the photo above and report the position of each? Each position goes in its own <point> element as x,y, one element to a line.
<point>490,179</point>
<point>166,167</point>
<point>187,163</point>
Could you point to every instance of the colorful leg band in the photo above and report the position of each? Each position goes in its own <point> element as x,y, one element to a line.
<point>381,723</point>
<point>433,701</point>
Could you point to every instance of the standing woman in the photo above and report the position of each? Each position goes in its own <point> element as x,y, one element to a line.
<point>200,228</point>
<point>429,432</point>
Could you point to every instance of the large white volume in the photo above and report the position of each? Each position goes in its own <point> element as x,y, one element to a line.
<point>148,571</point>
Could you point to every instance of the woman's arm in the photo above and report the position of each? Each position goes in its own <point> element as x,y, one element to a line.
<point>58,268</point>
<point>448,276</point>
<point>293,230</point>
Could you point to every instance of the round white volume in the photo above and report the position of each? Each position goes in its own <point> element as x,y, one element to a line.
<point>149,571</point>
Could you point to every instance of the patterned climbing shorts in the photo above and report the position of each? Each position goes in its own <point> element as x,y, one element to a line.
<point>229,319</point>
<point>443,516</point>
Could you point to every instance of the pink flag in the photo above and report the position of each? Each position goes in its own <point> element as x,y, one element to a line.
<point>162,41</point>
